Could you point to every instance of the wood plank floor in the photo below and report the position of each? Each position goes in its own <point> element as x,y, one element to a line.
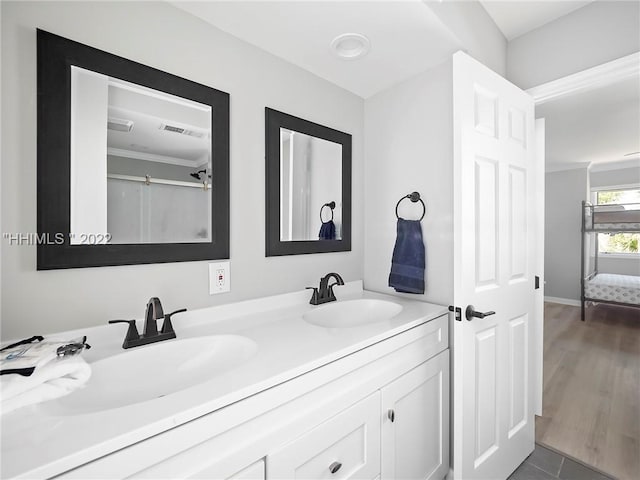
<point>591,399</point>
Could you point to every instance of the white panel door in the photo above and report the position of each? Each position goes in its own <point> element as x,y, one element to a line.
<point>494,253</point>
<point>415,423</point>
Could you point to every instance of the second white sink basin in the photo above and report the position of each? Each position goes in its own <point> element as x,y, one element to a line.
<point>153,371</point>
<point>352,313</point>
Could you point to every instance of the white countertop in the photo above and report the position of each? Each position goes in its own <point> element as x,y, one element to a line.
<point>40,442</point>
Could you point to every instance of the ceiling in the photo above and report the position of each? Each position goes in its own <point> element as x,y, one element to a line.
<point>597,126</point>
<point>187,140</point>
<point>517,17</point>
<point>406,36</point>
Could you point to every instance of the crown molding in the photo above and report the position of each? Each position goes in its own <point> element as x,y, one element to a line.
<point>601,75</point>
<point>562,167</point>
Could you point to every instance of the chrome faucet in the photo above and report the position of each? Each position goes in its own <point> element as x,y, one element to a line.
<point>324,293</point>
<point>150,333</point>
<point>152,313</point>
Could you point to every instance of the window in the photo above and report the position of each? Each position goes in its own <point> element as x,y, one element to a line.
<point>608,197</point>
<point>619,243</point>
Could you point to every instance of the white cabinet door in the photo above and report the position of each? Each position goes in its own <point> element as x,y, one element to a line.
<point>345,446</point>
<point>415,423</point>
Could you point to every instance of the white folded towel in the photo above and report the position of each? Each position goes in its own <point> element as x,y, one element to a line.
<point>52,377</point>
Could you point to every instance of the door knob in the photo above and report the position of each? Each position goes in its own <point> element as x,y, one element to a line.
<point>334,467</point>
<point>470,312</point>
<point>391,415</point>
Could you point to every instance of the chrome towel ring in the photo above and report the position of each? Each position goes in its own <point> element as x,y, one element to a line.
<point>331,206</point>
<point>414,197</point>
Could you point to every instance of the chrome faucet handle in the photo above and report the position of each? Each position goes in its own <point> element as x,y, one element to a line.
<point>314,296</point>
<point>167,326</point>
<point>132,332</point>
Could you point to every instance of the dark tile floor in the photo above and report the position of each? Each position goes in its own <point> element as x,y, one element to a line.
<point>546,464</point>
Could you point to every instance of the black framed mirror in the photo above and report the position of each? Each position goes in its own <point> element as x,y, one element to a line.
<point>133,162</point>
<point>308,186</point>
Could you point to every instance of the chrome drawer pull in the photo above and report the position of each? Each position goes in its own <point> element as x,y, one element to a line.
<point>334,467</point>
<point>392,415</point>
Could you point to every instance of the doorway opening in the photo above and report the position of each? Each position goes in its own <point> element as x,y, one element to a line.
<point>591,369</point>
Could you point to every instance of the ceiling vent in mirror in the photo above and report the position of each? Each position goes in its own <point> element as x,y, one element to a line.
<point>119,124</point>
<point>350,46</point>
<point>181,131</point>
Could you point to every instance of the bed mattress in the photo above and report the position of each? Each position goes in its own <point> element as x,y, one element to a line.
<point>614,288</point>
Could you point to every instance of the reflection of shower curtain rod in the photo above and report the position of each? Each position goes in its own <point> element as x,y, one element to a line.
<point>149,180</point>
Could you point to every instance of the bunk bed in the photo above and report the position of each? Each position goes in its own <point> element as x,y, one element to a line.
<point>606,287</point>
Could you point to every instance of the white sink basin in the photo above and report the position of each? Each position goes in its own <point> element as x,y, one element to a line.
<point>352,313</point>
<point>154,371</point>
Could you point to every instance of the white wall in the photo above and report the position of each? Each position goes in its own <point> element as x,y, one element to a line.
<point>619,265</point>
<point>325,185</point>
<point>476,31</point>
<point>409,146</point>
<point>564,192</point>
<point>616,178</point>
<point>159,35</point>
<point>597,33</point>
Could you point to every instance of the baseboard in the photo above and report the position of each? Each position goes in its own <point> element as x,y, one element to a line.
<point>563,301</point>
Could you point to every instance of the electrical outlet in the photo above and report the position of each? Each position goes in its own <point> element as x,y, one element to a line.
<point>219,277</point>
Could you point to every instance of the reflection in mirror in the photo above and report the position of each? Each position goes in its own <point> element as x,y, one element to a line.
<point>140,163</point>
<point>311,179</point>
<point>308,188</point>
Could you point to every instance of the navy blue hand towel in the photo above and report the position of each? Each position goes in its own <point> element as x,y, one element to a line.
<point>407,263</point>
<point>327,231</point>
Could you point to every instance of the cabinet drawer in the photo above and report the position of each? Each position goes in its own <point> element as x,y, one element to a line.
<point>436,335</point>
<point>348,444</point>
<point>254,471</point>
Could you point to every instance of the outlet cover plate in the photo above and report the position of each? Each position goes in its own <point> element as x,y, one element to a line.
<point>219,277</point>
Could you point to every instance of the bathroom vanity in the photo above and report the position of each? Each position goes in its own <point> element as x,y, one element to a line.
<point>291,394</point>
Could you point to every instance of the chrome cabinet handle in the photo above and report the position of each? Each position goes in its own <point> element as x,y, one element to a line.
<point>334,467</point>
<point>392,415</point>
<point>470,313</point>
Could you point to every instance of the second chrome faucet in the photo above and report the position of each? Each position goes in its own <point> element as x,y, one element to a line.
<point>324,292</point>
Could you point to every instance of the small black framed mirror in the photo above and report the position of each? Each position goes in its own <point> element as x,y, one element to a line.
<point>133,162</point>
<point>308,186</point>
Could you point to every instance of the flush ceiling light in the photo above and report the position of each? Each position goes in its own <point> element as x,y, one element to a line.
<point>350,46</point>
